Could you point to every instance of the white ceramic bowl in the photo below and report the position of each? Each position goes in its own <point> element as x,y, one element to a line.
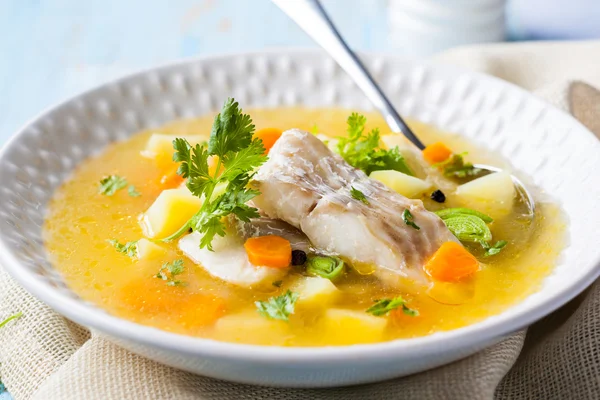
<point>558,153</point>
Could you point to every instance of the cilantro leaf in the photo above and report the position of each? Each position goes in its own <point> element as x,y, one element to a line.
<point>280,307</point>
<point>7,320</point>
<point>456,167</point>
<point>358,195</point>
<point>129,248</point>
<point>173,268</point>
<point>132,191</point>
<point>231,131</point>
<point>495,249</point>
<point>111,184</point>
<point>383,307</point>
<point>363,152</point>
<point>238,156</point>
<point>408,219</point>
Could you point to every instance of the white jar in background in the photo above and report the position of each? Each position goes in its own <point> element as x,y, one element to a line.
<point>419,28</point>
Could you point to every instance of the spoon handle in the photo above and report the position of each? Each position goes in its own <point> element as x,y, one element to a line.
<point>311,17</point>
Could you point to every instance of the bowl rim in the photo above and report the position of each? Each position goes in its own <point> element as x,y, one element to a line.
<point>91,316</point>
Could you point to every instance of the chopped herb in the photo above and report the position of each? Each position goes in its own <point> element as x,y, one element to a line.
<point>456,167</point>
<point>438,196</point>
<point>495,249</point>
<point>173,269</point>
<point>132,191</point>
<point>454,212</point>
<point>408,219</point>
<point>231,140</point>
<point>280,307</point>
<point>277,283</point>
<point>314,129</point>
<point>111,184</point>
<point>7,320</point>
<point>363,151</point>
<point>325,266</point>
<point>298,257</point>
<point>383,307</point>
<point>358,195</point>
<point>129,248</point>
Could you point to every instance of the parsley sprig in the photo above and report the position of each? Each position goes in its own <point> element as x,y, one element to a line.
<point>457,167</point>
<point>129,248</point>
<point>112,184</point>
<point>363,151</point>
<point>239,154</point>
<point>409,220</point>
<point>169,271</point>
<point>384,306</point>
<point>280,307</point>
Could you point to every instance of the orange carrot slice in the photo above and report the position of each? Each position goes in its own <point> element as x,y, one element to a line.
<point>269,251</point>
<point>436,153</point>
<point>451,262</point>
<point>268,136</point>
<point>170,178</point>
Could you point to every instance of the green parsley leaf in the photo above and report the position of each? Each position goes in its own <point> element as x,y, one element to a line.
<point>495,249</point>
<point>358,195</point>
<point>132,191</point>
<point>383,307</point>
<point>277,283</point>
<point>7,320</point>
<point>456,167</point>
<point>111,184</point>
<point>363,152</point>
<point>238,155</point>
<point>408,219</point>
<point>173,269</point>
<point>129,248</point>
<point>279,307</point>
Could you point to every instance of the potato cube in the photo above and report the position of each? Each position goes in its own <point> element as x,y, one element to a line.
<point>160,147</point>
<point>251,327</point>
<point>315,292</point>
<point>147,250</point>
<point>406,185</point>
<point>350,326</point>
<point>492,194</point>
<point>169,212</point>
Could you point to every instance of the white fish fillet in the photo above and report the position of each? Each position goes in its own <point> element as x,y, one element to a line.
<point>308,186</point>
<point>229,261</point>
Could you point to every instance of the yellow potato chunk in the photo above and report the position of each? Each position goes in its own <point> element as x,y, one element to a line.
<point>315,292</point>
<point>169,212</point>
<point>253,328</point>
<point>406,185</point>
<point>350,327</point>
<point>493,194</point>
<point>147,250</point>
<point>160,147</point>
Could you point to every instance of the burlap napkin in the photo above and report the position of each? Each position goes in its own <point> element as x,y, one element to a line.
<point>45,357</point>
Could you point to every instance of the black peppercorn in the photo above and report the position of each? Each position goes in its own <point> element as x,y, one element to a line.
<point>438,196</point>
<point>298,257</point>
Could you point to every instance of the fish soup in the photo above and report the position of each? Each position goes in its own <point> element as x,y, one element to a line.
<point>319,227</point>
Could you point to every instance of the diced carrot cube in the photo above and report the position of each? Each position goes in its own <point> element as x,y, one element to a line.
<point>451,262</point>
<point>436,153</point>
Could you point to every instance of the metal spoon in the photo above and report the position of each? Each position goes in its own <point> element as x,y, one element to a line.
<point>312,18</point>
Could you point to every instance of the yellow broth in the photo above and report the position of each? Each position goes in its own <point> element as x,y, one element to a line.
<point>80,221</point>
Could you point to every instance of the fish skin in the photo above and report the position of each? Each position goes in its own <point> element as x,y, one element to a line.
<point>308,186</point>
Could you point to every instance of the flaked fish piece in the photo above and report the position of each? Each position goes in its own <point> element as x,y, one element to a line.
<point>229,261</point>
<point>269,226</point>
<point>308,186</point>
